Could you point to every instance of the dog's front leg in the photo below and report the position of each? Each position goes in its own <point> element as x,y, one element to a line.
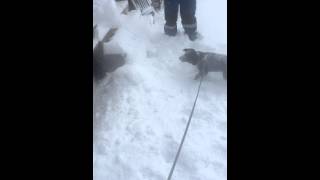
<point>203,70</point>
<point>201,74</point>
<point>197,76</point>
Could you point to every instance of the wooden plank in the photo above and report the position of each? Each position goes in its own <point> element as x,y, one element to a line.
<point>109,35</point>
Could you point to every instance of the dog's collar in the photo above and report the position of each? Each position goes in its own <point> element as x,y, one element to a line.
<point>199,53</point>
<point>203,56</point>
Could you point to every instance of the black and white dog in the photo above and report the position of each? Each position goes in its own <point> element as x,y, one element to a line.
<point>206,62</point>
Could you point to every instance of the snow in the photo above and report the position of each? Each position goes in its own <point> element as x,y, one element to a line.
<point>113,48</point>
<point>142,108</point>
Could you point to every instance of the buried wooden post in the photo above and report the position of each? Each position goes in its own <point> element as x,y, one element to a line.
<point>107,59</point>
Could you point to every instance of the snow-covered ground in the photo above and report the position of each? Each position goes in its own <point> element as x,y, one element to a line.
<point>143,107</point>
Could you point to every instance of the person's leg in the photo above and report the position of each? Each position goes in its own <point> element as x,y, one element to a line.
<point>171,15</point>
<point>187,13</point>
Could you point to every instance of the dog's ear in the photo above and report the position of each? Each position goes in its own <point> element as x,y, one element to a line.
<point>188,50</point>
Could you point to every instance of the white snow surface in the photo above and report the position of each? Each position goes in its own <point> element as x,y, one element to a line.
<point>142,108</point>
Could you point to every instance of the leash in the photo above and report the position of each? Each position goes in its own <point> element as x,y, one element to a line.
<point>185,132</point>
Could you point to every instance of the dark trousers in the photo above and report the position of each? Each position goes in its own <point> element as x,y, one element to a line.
<point>187,13</point>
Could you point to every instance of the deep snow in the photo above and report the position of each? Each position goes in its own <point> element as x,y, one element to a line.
<point>143,107</point>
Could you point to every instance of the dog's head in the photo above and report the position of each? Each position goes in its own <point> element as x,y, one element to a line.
<point>190,56</point>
